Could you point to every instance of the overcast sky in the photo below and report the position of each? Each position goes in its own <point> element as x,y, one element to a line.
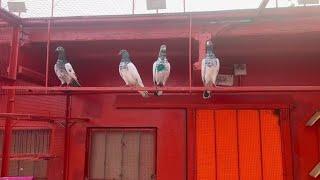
<point>42,8</point>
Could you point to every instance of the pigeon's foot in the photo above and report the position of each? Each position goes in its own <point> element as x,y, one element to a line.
<point>206,95</point>
<point>144,94</point>
<point>158,93</point>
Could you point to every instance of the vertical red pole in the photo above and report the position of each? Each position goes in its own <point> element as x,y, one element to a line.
<point>48,43</point>
<point>66,138</point>
<point>14,55</point>
<point>190,46</point>
<point>133,6</point>
<point>191,143</point>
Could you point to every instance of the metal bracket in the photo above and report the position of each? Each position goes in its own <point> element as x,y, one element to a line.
<point>313,119</point>
<point>315,172</point>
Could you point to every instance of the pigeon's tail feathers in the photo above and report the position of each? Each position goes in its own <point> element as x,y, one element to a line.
<point>206,94</point>
<point>75,83</point>
<point>144,94</point>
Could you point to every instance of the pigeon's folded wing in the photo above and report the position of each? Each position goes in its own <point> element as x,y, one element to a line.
<point>154,72</point>
<point>70,71</point>
<point>203,70</point>
<point>134,72</point>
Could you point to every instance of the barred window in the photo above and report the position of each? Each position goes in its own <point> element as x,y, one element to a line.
<point>25,145</point>
<point>122,154</point>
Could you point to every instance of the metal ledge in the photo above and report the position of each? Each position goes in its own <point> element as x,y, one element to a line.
<point>38,118</point>
<point>183,89</point>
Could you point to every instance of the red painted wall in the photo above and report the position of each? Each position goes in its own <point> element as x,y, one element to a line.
<point>271,60</point>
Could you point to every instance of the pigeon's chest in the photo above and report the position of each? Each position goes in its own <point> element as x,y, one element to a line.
<point>211,62</point>
<point>161,67</point>
<point>123,66</point>
<point>60,68</point>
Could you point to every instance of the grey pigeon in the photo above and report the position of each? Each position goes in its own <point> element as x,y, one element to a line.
<point>161,69</point>
<point>129,72</point>
<point>64,70</point>
<point>209,69</point>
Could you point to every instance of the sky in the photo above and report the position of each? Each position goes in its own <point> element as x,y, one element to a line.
<point>42,8</point>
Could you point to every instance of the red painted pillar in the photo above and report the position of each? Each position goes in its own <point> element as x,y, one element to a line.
<point>13,63</point>
<point>202,38</point>
<point>67,137</point>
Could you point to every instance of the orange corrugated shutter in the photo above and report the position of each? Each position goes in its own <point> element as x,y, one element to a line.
<point>249,145</point>
<point>238,144</point>
<point>271,145</point>
<point>205,145</point>
<point>226,137</point>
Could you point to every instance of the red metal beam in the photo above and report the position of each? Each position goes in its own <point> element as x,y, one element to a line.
<point>9,17</point>
<point>281,13</point>
<point>14,54</point>
<point>30,74</point>
<point>85,33</point>
<point>33,117</point>
<point>106,90</point>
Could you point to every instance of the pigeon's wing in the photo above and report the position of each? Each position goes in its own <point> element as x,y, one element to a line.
<point>59,73</point>
<point>167,73</point>
<point>154,72</point>
<point>70,71</point>
<point>56,70</point>
<point>216,70</point>
<point>135,74</point>
<point>123,77</point>
<point>203,70</point>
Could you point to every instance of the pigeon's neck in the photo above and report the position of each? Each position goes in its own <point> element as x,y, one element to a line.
<point>162,56</point>
<point>62,56</point>
<point>210,54</point>
<point>125,60</point>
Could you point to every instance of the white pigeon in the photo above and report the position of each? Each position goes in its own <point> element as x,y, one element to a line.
<point>129,72</point>
<point>209,69</point>
<point>161,69</point>
<point>64,70</point>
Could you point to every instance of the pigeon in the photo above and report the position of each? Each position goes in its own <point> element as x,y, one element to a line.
<point>161,69</point>
<point>64,70</point>
<point>129,72</point>
<point>209,69</point>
